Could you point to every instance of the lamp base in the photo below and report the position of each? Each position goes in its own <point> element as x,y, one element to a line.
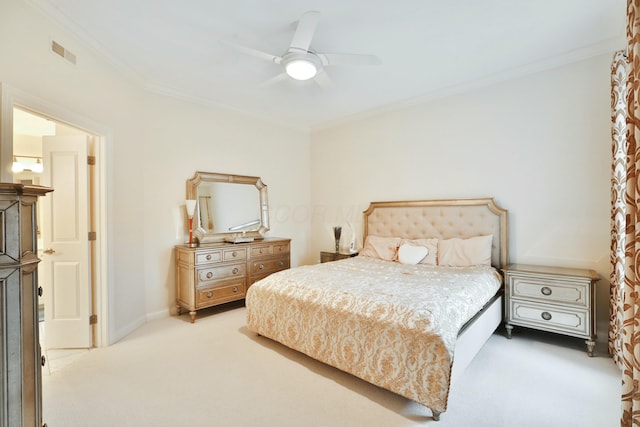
<point>191,245</point>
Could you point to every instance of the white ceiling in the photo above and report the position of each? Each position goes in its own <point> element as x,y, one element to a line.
<point>427,47</point>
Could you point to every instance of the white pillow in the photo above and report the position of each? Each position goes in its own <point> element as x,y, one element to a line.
<point>458,252</point>
<point>410,254</point>
<point>430,244</point>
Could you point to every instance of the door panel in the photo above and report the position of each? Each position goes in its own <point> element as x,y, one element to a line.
<point>64,270</point>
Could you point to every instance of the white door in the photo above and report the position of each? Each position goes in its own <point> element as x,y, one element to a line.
<point>64,272</point>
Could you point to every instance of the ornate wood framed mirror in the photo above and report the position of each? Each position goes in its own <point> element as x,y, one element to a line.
<point>231,208</point>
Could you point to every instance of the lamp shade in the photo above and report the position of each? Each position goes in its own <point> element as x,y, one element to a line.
<point>191,207</point>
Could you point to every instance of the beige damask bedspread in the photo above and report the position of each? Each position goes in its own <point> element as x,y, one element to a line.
<point>390,324</point>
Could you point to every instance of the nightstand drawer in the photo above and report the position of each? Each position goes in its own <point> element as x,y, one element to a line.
<point>543,289</point>
<point>550,318</point>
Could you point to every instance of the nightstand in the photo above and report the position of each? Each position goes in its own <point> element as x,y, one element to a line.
<point>554,299</point>
<point>334,256</point>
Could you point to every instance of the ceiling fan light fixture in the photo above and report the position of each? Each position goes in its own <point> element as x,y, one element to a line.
<point>301,69</point>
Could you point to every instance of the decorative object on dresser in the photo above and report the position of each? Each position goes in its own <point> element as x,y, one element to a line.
<point>219,273</point>
<point>20,357</point>
<point>191,209</point>
<point>554,299</point>
<point>229,207</point>
<point>334,256</point>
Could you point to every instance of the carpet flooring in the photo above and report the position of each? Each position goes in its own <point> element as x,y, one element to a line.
<point>215,372</point>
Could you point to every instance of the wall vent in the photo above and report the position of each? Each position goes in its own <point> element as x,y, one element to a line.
<point>60,50</point>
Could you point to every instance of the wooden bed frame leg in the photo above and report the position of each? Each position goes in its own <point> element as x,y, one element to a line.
<point>436,415</point>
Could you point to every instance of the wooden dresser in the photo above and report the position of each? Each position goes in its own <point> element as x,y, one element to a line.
<point>554,299</point>
<point>217,273</point>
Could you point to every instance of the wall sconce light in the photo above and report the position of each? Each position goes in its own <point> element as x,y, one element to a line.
<point>27,163</point>
<point>16,167</point>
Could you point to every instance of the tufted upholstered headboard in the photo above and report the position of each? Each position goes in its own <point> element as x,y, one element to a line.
<point>442,219</point>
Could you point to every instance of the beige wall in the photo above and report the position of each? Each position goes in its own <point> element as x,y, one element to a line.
<point>540,145</point>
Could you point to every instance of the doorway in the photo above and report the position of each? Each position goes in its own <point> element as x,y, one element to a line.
<point>54,154</point>
<point>15,99</point>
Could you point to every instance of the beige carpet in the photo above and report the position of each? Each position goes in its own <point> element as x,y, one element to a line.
<point>217,373</point>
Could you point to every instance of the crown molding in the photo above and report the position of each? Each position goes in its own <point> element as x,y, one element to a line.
<point>608,46</point>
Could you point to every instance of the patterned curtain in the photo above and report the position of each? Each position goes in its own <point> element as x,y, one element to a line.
<point>624,329</point>
<point>619,76</point>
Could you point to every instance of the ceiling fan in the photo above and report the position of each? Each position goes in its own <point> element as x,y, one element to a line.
<point>301,63</point>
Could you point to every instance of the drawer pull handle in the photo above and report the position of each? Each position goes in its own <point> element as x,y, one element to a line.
<point>40,291</point>
<point>209,294</point>
<point>281,263</point>
<point>546,315</point>
<point>261,266</point>
<point>235,289</point>
<point>43,360</point>
<point>234,254</point>
<point>546,290</point>
<point>260,250</point>
<point>279,248</point>
<point>209,275</point>
<point>235,270</point>
<point>208,257</point>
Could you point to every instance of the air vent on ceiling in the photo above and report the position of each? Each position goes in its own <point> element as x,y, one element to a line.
<point>58,49</point>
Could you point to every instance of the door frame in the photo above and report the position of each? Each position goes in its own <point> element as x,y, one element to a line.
<point>12,97</point>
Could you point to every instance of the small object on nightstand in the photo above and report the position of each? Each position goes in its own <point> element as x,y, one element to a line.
<point>554,299</point>
<point>337,232</point>
<point>334,256</point>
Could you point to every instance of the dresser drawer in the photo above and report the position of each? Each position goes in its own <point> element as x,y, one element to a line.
<point>206,257</point>
<point>543,289</point>
<point>269,265</point>
<point>239,254</point>
<point>267,250</point>
<point>207,275</point>
<point>547,317</point>
<point>228,291</point>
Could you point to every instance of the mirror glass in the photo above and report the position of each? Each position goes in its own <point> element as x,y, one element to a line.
<point>229,207</point>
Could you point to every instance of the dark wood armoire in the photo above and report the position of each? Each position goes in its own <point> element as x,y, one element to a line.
<point>20,356</point>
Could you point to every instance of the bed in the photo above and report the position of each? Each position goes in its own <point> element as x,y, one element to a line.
<point>386,318</point>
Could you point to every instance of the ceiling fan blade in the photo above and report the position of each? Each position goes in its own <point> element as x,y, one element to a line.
<point>305,30</point>
<point>274,80</point>
<point>323,80</point>
<point>348,59</point>
<point>254,52</point>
